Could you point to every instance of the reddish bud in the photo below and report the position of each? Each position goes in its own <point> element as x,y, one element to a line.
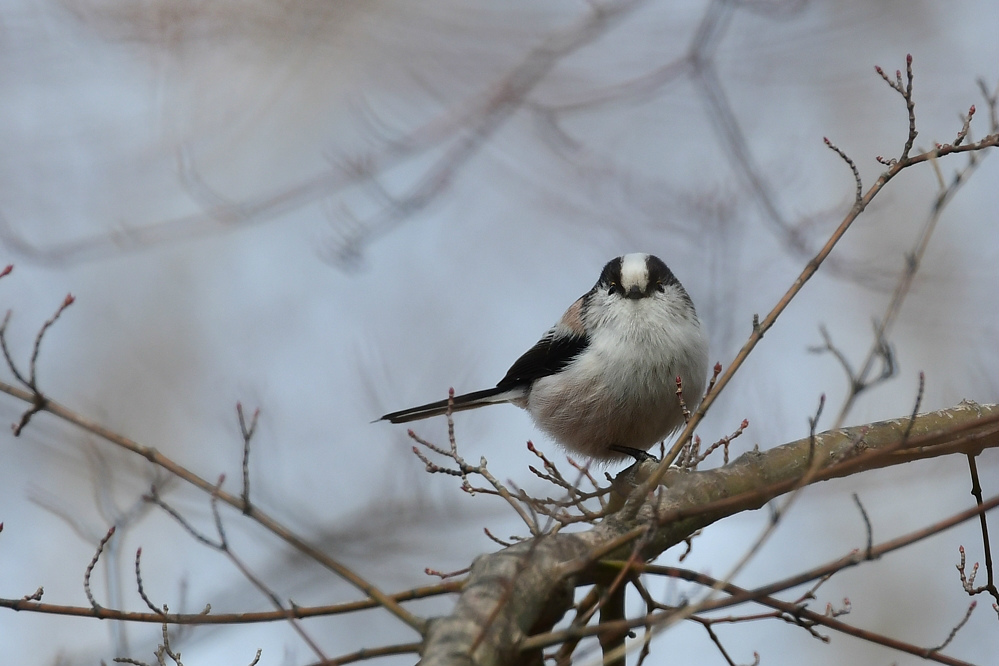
<point>111,531</point>
<point>908,59</point>
<point>971,112</point>
<point>411,434</point>
<point>718,367</point>
<point>1,527</point>
<point>877,68</point>
<point>826,139</point>
<point>745,423</point>
<point>7,270</point>
<point>450,392</point>
<point>530,446</point>
<point>138,551</point>
<point>70,298</point>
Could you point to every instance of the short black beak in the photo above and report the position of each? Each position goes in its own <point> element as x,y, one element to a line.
<point>634,292</point>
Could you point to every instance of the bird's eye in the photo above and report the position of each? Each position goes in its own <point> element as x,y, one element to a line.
<point>661,287</point>
<point>612,289</point>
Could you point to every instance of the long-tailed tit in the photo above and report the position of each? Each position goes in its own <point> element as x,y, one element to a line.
<point>602,381</point>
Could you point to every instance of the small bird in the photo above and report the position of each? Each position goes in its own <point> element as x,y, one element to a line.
<point>602,381</point>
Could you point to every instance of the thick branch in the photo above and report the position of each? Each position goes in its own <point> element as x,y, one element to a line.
<point>527,587</point>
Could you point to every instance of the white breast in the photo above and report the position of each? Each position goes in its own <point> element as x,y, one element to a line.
<point>621,390</point>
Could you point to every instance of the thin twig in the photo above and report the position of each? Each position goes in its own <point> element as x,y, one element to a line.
<point>990,584</point>
<point>142,591</point>
<point>33,364</point>
<point>372,653</point>
<point>867,523</point>
<point>38,400</point>
<point>760,327</point>
<point>30,604</point>
<point>739,595</point>
<point>915,407</point>
<point>853,167</point>
<point>90,569</point>
<point>953,632</point>
<point>463,469</point>
<point>880,347</point>
<point>268,522</point>
<point>247,433</point>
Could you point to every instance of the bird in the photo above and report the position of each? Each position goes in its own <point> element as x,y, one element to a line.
<point>602,381</point>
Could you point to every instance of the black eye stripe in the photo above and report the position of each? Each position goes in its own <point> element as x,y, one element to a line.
<point>611,274</point>
<point>658,275</point>
<point>659,272</point>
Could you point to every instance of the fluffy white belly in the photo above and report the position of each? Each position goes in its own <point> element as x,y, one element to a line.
<point>618,395</point>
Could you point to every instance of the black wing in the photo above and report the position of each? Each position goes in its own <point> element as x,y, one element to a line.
<point>549,356</point>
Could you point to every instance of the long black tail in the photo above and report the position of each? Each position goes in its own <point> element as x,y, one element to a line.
<point>461,402</point>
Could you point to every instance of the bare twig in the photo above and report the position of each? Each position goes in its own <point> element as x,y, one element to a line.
<point>30,604</point>
<point>222,545</point>
<point>142,591</point>
<point>906,92</point>
<point>464,469</point>
<point>372,653</point>
<point>495,539</point>
<point>760,327</point>
<point>30,382</point>
<point>738,595</point>
<point>913,260</point>
<point>794,612</point>
<point>723,443</point>
<point>90,569</point>
<point>444,575</point>
<point>867,524</point>
<point>721,648</point>
<point>263,519</point>
<point>916,406</point>
<point>853,167</point>
<point>990,584</point>
<point>953,632</point>
<point>247,432</point>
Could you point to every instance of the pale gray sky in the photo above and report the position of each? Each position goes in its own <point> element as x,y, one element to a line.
<point>328,210</point>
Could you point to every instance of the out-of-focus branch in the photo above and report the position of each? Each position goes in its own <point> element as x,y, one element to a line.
<point>880,348</point>
<point>265,520</point>
<point>760,327</point>
<point>458,134</point>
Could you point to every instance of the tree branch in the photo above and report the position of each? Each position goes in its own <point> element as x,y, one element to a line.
<point>527,587</point>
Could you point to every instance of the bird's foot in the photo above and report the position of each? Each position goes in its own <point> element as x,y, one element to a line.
<point>639,455</point>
